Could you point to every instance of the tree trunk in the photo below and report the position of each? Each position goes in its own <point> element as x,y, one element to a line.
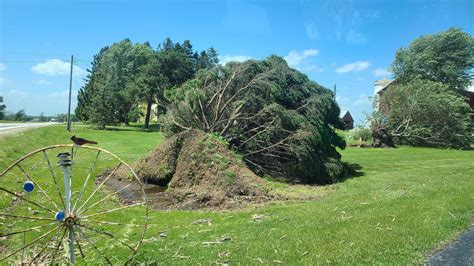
<point>382,138</point>
<point>148,113</point>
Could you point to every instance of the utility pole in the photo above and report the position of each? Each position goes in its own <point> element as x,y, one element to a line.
<point>70,91</point>
<point>334,91</point>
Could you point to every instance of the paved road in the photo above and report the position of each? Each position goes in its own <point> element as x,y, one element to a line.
<point>11,128</point>
<point>461,252</point>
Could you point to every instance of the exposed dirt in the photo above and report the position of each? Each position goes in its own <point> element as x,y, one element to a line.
<point>193,170</point>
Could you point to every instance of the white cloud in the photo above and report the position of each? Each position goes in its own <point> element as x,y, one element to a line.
<point>302,60</point>
<point>56,67</point>
<point>311,31</point>
<point>381,72</point>
<point>44,82</point>
<point>353,67</point>
<point>233,58</point>
<point>17,93</point>
<point>2,67</point>
<point>295,58</point>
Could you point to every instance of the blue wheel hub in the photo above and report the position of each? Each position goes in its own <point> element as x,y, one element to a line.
<point>59,216</point>
<point>29,186</point>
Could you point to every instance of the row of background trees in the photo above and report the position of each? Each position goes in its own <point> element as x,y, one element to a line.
<point>126,75</point>
<point>21,116</point>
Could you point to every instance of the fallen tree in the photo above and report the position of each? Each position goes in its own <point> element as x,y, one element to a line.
<point>281,122</point>
<point>425,113</point>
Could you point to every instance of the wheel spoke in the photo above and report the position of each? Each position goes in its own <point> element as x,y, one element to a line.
<point>27,217</point>
<point>100,185</point>
<point>112,210</point>
<point>26,230</point>
<point>23,198</point>
<point>105,198</point>
<point>79,245</point>
<point>86,181</point>
<point>54,178</point>
<point>58,246</point>
<point>39,187</point>
<point>110,223</point>
<point>95,247</point>
<point>45,246</point>
<point>29,244</point>
<point>109,235</point>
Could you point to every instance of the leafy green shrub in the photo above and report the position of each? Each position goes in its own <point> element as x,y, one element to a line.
<point>361,133</point>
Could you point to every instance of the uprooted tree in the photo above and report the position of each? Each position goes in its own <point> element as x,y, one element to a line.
<point>279,120</point>
<point>426,113</point>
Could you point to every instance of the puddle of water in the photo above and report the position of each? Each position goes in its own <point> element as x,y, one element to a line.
<point>154,189</point>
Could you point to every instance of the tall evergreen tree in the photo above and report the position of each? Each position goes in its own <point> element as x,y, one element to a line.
<point>2,108</point>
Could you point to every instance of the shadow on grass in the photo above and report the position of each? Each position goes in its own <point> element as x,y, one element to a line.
<point>353,170</point>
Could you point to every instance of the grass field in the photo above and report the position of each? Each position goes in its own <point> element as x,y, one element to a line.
<point>403,204</point>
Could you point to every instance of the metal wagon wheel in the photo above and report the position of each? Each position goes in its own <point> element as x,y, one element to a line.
<point>90,208</point>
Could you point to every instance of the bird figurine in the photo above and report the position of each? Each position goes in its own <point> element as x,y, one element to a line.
<point>81,141</point>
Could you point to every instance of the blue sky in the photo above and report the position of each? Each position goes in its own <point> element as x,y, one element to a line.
<point>348,43</point>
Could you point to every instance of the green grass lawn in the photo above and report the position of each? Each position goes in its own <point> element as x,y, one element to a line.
<point>404,203</point>
<point>8,121</point>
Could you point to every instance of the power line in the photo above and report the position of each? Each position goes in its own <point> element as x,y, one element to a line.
<point>28,62</point>
<point>44,54</point>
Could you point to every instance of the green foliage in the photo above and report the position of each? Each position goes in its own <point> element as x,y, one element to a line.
<point>229,177</point>
<point>125,75</point>
<point>2,108</point>
<point>280,121</point>
<point>20,115</point>
<point>361,133</point>
<point>428,113</point>
<point>446,57</point>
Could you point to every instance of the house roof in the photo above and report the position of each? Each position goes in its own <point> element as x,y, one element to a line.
<point>381,85</point>
<point>347,116</point>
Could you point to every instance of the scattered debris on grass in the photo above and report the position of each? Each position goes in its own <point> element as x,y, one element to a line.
<point>217,242</point>
<point>258,217</point>
<point>203,221</point>
<point>224,254</point>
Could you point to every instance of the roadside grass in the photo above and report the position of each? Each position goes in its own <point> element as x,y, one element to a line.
<point>130,143</point>
<point>403,204</point>
<point>10,121</point>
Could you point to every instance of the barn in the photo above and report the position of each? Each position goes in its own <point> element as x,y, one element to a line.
<point>348,120</point>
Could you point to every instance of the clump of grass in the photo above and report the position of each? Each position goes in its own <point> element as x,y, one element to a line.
<point>365,134</point>
<point>229,177</point>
